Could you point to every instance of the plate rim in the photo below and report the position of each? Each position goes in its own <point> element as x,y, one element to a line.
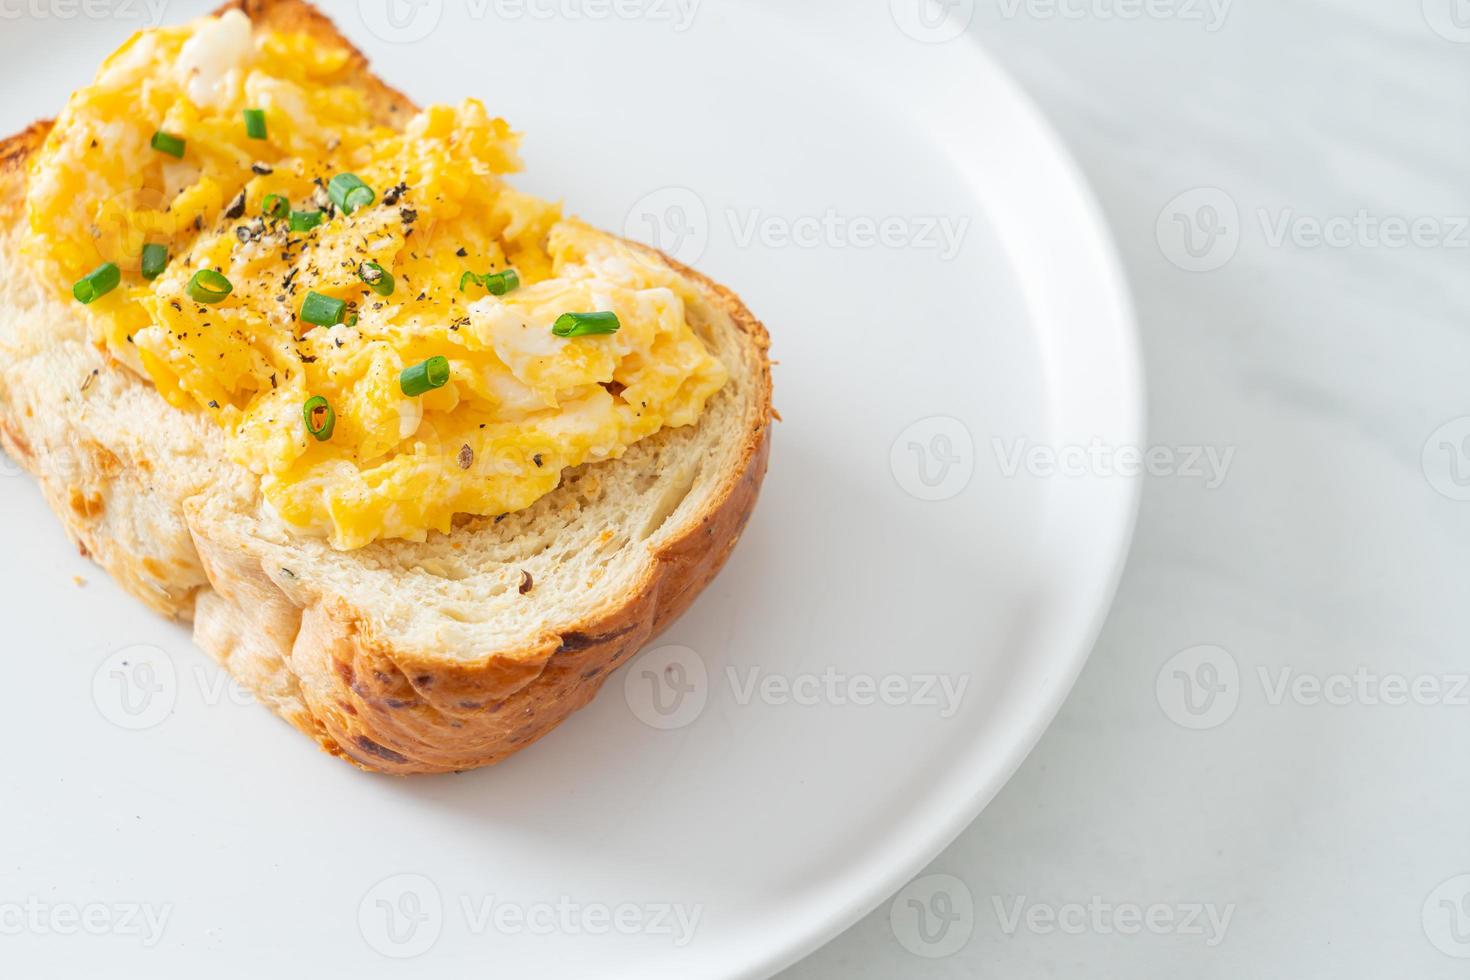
<point>887,878</point>
<point>888,869</point>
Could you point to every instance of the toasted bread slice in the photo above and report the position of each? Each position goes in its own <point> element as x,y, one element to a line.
<point>400,657</point>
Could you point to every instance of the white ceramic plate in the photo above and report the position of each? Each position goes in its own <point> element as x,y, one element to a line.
<point>906,612</point>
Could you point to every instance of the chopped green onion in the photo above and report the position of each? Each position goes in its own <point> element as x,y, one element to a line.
<point>275,206</point>
<point>155,259</point>
<point>495,283</point>
<point>320,418</point>
<point>584,324</point>
<point>306,220</point>
<point>99,281</point>
<point>255,123</point>
<point>168,143</point>
<point>349,193</point>
<point>500,283</point>
<point>425,377</point>
<point>379,279</point>
<point>324,311</point>
<point>208,286</point>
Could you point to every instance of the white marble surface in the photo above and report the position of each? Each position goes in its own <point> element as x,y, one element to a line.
<point>1325,825</point>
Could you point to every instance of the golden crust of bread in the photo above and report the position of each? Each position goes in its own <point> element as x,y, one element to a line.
<point>315,659</point>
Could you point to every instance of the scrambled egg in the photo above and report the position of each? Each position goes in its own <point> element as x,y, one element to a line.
<point>521,402</point>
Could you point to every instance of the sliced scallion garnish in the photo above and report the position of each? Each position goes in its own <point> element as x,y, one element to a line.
<point>208,286</point>
<point>155,260</point>
<point>495,283</point>
<point>423,378</point>
<point>320,418</point>
<point>500,283</point>
<point>255,123</point>
<point>168,143</point>
<point>305,220</point>
<point>275,206</point>
<point>379,279</point>
<point>324,311</point>
<point>585,324</point>
<point>98,282</point>
<point>349,193</point>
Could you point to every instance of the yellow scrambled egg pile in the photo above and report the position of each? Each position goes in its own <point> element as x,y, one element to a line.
<point>521,402</point>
